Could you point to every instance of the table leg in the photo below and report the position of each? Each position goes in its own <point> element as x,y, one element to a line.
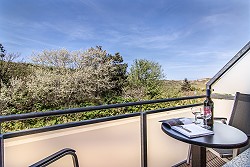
<point>198,156</point>
<point>235,152</point>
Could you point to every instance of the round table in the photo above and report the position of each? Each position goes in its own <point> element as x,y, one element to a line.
<point>225,136</point>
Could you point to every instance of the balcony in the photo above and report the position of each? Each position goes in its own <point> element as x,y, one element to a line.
<point>112,141</point>
<point>129,140</point>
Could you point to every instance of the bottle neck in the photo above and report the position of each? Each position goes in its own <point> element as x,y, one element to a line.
<point>208,93</point>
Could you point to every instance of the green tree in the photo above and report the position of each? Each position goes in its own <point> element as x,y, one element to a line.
<point>186,86</point>
<point>118,76</point>
<point>6,65</point>
<point>145,78</point>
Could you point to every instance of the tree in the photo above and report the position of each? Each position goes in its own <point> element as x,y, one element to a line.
<point>56,58</point>
<point>5,65</point>
<point>145,77</point>
<point>92,73</point>
<point>2,51</point>
<point>107,69</point>
<point>186,86</point>
<point>118,76</point>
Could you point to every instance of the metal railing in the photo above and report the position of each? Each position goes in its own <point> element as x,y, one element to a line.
<point>56,156</point>
<point>142,114</point>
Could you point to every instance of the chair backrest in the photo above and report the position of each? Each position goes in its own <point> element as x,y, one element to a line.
<point>240,117</point>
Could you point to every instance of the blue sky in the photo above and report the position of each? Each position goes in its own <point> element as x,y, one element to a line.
<point>189,38</point>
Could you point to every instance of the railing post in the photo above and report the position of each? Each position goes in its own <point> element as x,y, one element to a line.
<point>1,151</point>
<point>1,147</point>
<point>144,155</point>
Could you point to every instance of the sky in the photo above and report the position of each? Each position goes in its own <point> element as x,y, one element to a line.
<point>190,39</point>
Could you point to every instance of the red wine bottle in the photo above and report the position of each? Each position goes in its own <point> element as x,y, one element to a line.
<point>209,106</point>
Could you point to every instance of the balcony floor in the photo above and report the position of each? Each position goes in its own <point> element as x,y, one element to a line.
<point>212,161</point>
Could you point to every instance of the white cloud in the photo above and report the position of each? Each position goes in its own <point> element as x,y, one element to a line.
<point>72,30</point>
<point>144,38</point>
<point>216,19</point>
<point>69,29</point>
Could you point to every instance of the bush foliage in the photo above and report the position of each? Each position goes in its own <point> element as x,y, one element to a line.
<point>60,79</point>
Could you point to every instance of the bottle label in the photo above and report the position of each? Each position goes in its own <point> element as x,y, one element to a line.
<point>207,110</point>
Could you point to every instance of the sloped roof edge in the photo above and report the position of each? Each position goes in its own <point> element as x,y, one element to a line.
<point>241,53</point>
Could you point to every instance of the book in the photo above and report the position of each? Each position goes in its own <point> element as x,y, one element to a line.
<point>186,127</point>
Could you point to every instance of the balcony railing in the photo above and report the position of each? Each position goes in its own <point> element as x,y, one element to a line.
<point>56,156</point>
<point>141,114</point>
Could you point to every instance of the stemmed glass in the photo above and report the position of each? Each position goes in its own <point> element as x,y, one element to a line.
<point>206,115</point>
<point>196,114</point>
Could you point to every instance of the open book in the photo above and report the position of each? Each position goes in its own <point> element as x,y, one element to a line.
<point>186,127</point>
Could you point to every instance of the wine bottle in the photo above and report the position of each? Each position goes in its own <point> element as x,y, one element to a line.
<point>209,107</point>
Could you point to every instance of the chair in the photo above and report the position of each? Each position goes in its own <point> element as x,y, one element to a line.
<point>240,118</point>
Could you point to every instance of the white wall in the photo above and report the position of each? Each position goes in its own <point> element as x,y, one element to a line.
<point>236,79</point>
<point>107,144</point>
<point>103,144</point>
<point>164,151</point>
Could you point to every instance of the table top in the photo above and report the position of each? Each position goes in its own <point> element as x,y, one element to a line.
<point>225,136</point>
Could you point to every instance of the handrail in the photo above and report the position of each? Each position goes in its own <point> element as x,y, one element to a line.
<point>56,156</point>
<point>90,121</point>
<point>13,117</point>
<point>60,154</point>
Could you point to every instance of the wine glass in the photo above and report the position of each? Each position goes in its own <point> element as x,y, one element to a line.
<point>206,115</point>
<point>196,113</point>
